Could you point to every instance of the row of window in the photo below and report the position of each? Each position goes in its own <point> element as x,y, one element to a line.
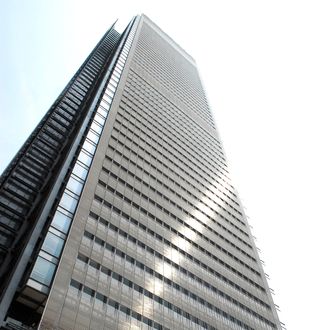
<point>137,130</point>
<point>152,216</point>
<point>115,306</point>
<point>153,56</point>
<point>224,298</point>
<point>159,206</point>
<point>133,150</point>
<point>131,116</point>
<point>156,182</point>
<point>176,81</point>
<point>154,119</point>
<point>216,180</point>
<point>128,161</point>
<point>123,131</point>
<point>157,154</point>
<point>155,99</point>
<point>144,98</point>
<point>170,306</point>
<point>152,163</point>
<point>154,113</point>
<point>163,241</point>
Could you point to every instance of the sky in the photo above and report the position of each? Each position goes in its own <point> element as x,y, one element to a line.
<point>266,68</point>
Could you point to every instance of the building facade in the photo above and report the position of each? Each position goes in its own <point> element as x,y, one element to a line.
<point>119,212</point>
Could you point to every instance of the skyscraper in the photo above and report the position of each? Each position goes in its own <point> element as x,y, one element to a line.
<point>118,212</point>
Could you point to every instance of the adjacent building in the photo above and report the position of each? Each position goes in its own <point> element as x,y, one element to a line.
<point>119,213</point>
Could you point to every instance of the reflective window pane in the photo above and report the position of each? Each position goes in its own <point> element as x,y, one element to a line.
<point>116,74</point>
<point>74,185</point>
<point>85,159</point>
<point>80,171</point>
<point>99,119</point>
<point>93,137</point>
<point>43,271</point>
<point>61,222</point>
<point>53,244</point>
<point>111,88</point>
<point>102,112</point>
<point>96,128</point>
<point>110,92</point>
<point>89,147</point>
<point>107,98</point>
<point>105,105</point>
<point>68,202</point>
<point>113,82</point>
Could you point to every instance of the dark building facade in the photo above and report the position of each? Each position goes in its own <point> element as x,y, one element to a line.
<point>119,213</point>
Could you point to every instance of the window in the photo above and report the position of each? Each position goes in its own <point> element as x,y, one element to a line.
<point>43,271</point>
<point>68,202</point>
<point>75,186</point>
<point>80,171</point>
<point>53,244</point>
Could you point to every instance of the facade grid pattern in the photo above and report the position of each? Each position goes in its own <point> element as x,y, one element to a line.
<point>149,232</point>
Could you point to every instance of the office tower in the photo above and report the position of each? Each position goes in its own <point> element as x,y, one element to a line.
<point>118,212</point>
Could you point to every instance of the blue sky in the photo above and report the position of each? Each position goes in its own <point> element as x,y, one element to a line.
<point>266,69</point>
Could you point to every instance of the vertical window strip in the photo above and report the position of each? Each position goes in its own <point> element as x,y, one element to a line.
<point>44,269</point>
